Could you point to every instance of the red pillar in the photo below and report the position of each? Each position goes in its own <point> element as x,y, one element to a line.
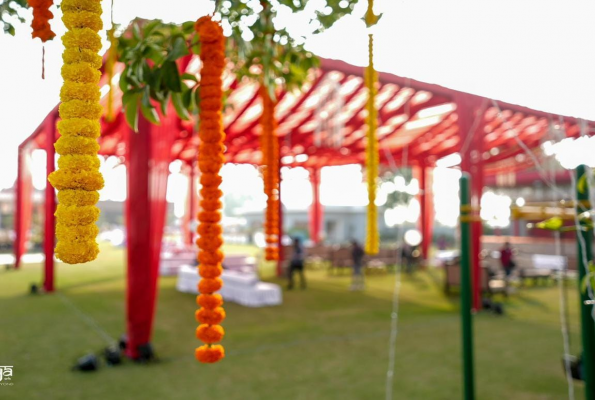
<point>190,216</point>
<point>280,238</point>
<point>316,209</point>
<point>50,209</point>
<point>23,205</point>
<point>470,110</point>
<point>149,155</point>
<point>426,203</point>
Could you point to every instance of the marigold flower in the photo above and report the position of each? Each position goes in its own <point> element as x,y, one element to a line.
<point>82,19</point>
<point>80,109</point>
<point>76,252</point>
<point>93,6</point>
<point>77,215</point>
<point>41,19</point>
<point>78,162</point>
<point>210,271</point>
<point>79,91</point>
<point>208,30</point>
<point>211,205</point>
<point>210,180</point>
<point>209,216</point>
<point>209,354</point>
<point>210,333</point>
<point>209,301</point>
<point>77,197</point>
<point>209,243</point>
<point>210,316</point>
<point>81,179</point>
<point>79,127</point>
<point>210,257</point>
<point>80,233</point>
<point>209,230</point>
<point>76,145</point>
<point>210,285</point>
<point>72,57</point>
<point>82,38</point>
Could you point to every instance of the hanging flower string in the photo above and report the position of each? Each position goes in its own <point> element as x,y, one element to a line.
<point>78,178</point>
<point>372,157</point>
<point>112,56</point>
<point>41,25</point>
<point>210,161</point>
<point>270,166</point>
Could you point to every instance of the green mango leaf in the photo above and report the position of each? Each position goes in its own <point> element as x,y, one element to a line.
<point>147,108</point>
<point>181,109</point>
<point>189,77</point>
<point>131,106</point>
<point>179,49</point>
<point>164,103</point>
<point>187,99</point>
<point>171,76</point>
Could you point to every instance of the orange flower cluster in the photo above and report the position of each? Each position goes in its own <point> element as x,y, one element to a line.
<point>41,19</point>
<point>210,161</point>
<point>270,168</point>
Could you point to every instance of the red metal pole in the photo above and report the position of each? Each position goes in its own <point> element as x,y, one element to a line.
<point>426,209</point>
<point>50,209</point>
<point>191,214</point>
<point>470,110</point>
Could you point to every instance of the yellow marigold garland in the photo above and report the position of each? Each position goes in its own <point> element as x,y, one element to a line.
<point>78,178</point>
<point>372,158</point>
<point>270,165</point>
<point>210,161</point>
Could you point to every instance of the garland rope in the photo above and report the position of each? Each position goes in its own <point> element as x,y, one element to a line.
<point>270,166</point>
<point>210,161</point>
<point>41,25</point>
<point>77,178</point>
<point>372,157</point>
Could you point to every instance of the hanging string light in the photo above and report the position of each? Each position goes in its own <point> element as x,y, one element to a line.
<point>78,178</point>
<point>210,161</point>
<point>41,25</point>
<point>270,169</point>
<point>372,156</point>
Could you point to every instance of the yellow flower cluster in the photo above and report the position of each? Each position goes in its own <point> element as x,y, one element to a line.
<point>372,159</point>
<point>78,178</point>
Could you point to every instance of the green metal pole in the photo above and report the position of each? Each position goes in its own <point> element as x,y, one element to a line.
<point>587,323</point>
<point>466,317</point>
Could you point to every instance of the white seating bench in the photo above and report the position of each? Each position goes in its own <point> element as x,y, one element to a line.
<point>239,287</point>
<point>171,262</point>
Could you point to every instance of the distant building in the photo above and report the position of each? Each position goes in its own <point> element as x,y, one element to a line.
<point>341,223</point>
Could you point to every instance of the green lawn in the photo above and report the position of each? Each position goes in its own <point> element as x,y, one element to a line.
<point>323,343</point>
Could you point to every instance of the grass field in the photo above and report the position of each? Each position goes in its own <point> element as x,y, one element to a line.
<point>323,343</point>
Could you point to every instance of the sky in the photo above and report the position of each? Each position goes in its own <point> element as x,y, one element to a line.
<point>537,53</point>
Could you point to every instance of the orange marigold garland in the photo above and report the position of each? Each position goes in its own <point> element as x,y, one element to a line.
<point>270,166</point>
<point>41,19</point>
<point>210,161</point>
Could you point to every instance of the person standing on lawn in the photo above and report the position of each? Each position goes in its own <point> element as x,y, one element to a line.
<point>297,263</point>
<point>357,254</point>
<point>507,261</point>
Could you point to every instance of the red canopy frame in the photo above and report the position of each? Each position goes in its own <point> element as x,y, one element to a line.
<point>428,121</point>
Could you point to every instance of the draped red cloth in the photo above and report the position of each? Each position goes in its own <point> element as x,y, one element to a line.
<point>191,207</point>
<point>24,204</point>
<point>149,156</point>
<point>316,209</point>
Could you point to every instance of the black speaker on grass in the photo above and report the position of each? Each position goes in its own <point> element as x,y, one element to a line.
<point>123,342</point>
<point>112,355</point>
<point>576,366</point>
<point>87,363</point>
<point>34,289</point>
<point>145,353</point>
